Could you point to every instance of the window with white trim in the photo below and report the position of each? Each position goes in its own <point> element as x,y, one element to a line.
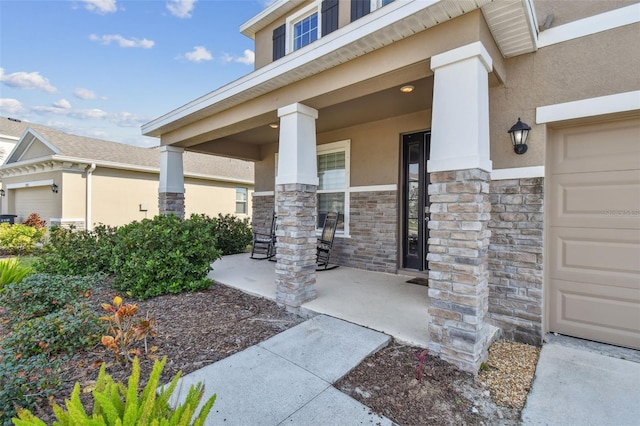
<point>303,27</point>
<point>334,178</point>
<point>333,182</point>
<point>241,200</point>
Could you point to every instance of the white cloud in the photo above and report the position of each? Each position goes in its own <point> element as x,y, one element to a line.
<point>127,119</point>
<point>199,54</point>
<point>11,106</point>
<point>85,94</point>
<point>123,42</point>
<point>181,8</point>
<point>27,80</point>
<point>101,6</point>
<point>89,114</point>
<point>62,103</point>
<point>248,58</point>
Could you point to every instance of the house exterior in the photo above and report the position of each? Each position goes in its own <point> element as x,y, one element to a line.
<point>397,114</point>
<point>102,182</point>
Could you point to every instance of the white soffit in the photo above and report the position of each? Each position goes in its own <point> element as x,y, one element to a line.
<point>512,24</point>
<point>380,28</point>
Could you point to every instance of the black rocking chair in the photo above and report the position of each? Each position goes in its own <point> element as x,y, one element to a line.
<point>264,245</point>
<point>325,242</point>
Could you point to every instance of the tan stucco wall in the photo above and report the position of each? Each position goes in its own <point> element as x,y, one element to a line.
<point>117,195</point>
<point>565,11</point>
<point>597,65</point>
<point>36,150</point>
<point>375,150</point>
<point>73,195</point>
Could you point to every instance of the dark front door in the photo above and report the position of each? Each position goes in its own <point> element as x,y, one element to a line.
<point>415,153</point>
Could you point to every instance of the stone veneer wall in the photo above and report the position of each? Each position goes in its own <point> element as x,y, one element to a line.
<point>171,202</point>
<point>458,267</point>
<point>263,208</point>
<point>78,225</point>
<point>373,229</point>
<point>516,258</point>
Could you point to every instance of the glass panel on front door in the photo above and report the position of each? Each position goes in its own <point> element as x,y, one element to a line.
<point>415,148</point>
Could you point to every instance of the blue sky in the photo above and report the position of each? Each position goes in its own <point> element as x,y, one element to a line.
<point>102,68</point>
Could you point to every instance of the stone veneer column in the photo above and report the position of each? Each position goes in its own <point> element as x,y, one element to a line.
<point>458,272</point>
<point>459,168</point>
<point>171,189</point>
<point>296,187</point>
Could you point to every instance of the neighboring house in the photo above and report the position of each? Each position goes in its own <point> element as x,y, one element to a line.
<point>97,181</point>
<point>397,115</point>
<point>8,141</point>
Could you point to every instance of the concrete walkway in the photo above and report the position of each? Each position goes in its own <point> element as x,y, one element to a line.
<point>584,383</point>
<point>288,378</point>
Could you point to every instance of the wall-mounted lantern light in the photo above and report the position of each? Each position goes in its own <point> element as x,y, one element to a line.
<point>519,133</point>
<point>2,193</point>
<point>54,188</point>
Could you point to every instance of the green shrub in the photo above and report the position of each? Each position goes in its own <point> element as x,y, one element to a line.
<point>233,234</point>
<point>117,404</point>
<point>164,255</point>
<point>41,294</point>
<point>24,381</point>
<point>20,239</point>
<point>65,330</point>
<point>71,252</point>
<point>12,271</point>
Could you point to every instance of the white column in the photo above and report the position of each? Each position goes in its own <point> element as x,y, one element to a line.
<point>171,170</point>
<point>297,161</point>
<point>460,115</point>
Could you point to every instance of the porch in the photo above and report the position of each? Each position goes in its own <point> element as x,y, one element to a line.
<point>382,302</point>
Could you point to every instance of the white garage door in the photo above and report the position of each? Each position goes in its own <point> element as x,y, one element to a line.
<point>39,199</point>
<point>594,232</point>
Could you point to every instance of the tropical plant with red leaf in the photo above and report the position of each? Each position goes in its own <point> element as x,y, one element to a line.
<point>124,329</point>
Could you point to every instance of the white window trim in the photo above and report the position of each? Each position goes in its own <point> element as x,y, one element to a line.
<point>340,146</point>
<point>297,17</point>
<point>375,4</point>
<point>246,200</point>
<point>328,148</point>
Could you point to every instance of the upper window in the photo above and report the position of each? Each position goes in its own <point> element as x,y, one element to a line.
<point>241,200</point>
<point>303,27</point>
<point>305,31</point>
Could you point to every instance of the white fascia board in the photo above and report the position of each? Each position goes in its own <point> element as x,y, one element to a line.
<point>351,33</point>
<point>610,104</point>
<point>518,173</point>
<point>594,24</point>
<point>31,184</point>
<point>13,138</point>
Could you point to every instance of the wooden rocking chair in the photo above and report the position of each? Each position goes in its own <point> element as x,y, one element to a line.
<point>325,242</point>
<point>264,245</point>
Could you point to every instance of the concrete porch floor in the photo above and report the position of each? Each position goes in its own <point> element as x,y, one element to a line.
<point>379,301</point>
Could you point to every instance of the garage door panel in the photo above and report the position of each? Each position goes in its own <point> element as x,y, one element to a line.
<point>610,315</point>
<point>593,238</point>
<point>613,146</point>
<point>607,257</point>
<point>603,199</point>
<point>38,199</point>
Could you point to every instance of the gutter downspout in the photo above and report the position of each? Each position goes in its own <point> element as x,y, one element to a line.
<point>87,220</point>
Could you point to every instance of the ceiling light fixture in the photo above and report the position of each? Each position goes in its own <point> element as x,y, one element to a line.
<point>407,89</point>
<point>274,125</point>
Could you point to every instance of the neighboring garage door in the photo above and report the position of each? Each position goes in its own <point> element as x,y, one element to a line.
<point>594,232</point>
<point>38,199</point>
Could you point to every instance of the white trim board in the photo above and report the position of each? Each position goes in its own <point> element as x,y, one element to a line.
<point>620,102</point>
<point>374,188</point>
<point>67,219</point>
<point>47,182</point>
<point>594,24</point>
<point>264,193</point>
<point>518,173</point>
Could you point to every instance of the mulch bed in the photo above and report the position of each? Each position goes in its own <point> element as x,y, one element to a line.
<point>197,329</point>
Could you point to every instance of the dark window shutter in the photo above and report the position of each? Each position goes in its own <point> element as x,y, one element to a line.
<point>279,42</point>
<point>329,11</point>
<point>359,8</point>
